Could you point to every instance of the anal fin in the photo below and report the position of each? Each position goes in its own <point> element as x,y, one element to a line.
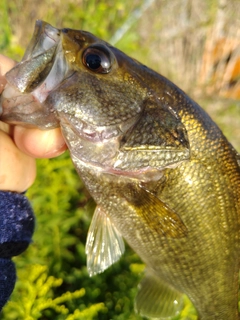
<point>104,244</point>
<point>155,299</point>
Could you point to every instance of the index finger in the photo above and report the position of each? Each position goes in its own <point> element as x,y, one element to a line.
<point>6,64</point>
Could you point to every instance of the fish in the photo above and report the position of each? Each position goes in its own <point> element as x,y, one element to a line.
<point>164,177</point>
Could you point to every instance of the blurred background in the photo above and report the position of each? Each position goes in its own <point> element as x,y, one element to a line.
<point>195,43</point>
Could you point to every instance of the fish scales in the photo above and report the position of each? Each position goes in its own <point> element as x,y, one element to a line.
<point>162,174</point>
<point>187,264</point>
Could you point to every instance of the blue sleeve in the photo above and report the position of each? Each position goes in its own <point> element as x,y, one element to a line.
<point>16,229</point>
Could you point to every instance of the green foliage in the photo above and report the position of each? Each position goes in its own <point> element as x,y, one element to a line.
<point>7,45</point>
<point>36,297</point>
<point>101,17</point>
<point>5,35</point>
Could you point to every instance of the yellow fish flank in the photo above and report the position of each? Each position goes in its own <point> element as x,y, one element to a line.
<point>161,172</point>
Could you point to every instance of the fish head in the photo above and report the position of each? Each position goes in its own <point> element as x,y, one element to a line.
<point>80,69</point>
<point>102,99</point>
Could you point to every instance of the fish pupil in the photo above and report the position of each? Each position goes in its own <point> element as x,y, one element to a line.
<point>97,59</point>
<point>93,61</point>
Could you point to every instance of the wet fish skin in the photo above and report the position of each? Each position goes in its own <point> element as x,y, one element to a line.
<point>160,170</point>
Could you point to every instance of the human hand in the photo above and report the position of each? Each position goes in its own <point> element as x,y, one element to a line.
<point>20,146</point>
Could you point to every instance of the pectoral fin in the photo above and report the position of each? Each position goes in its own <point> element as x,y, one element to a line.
<point>157,300</point>
<point>155,213</point>
<point>104,244</point>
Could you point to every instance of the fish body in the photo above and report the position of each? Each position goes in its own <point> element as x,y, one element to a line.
<point>161,172</point>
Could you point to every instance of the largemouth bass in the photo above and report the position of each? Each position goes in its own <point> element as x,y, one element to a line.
<point>161,172</point>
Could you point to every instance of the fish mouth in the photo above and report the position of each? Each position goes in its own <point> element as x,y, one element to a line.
<point>42,69</point>
<point>38,59</point>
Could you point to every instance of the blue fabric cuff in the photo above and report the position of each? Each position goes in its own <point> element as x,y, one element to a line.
<point>16,224</point>
<point>7,280</point>
<point>16,229</point>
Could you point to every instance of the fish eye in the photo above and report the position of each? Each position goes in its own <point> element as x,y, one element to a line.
<point>97,59</point>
